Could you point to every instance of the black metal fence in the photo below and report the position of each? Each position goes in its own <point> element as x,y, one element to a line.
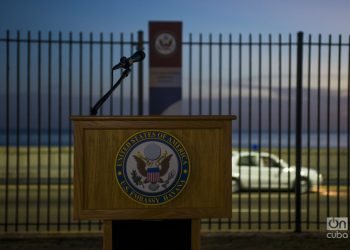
<point>46,78</point>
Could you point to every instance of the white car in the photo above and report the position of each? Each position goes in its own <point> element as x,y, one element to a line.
<point>254,170</point>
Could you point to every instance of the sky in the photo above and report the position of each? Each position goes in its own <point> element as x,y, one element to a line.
<point>198,16</point>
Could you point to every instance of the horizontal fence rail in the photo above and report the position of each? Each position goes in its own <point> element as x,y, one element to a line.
<point>46,78</point>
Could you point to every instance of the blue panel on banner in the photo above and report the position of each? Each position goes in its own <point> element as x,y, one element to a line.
<point>162,98</point>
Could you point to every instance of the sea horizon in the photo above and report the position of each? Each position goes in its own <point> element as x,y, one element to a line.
<point>256,139</point>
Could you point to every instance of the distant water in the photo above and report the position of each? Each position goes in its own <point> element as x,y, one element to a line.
<point>65,138</point>
<point>36,138</point>
<point>274,139</point>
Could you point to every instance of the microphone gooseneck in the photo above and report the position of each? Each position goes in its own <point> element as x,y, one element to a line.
<point>125,63</point>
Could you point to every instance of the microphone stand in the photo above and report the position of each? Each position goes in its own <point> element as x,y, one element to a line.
<point>94,109</point>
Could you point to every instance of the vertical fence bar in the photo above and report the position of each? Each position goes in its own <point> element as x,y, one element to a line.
<point>270,124</point>
<point>28,130</point>
<point>18,102</point>
<point>60,81</point>
<point>298,130</point>
<point>210,74</point>
<point>200,75</point>
<point>220,88</point>
<point>259,127</point>
<point>101,69</point>
<point>80,86</point>
<point>131,77</point>
<point>140,74</point>
<point>239,122</point>
<point>318,126</point>
<point>210,94</point>
<point>49,127</point>
<point>7,129</point>
<point>220,74</point>
<point>80,73</point>
<point>90,86</point>
<point>279,121</point>
<point>111,52</point>
<point>338,125</point>
<point>308,129</point>
<point>289,124</point>
<point>70,132</point>
<point>230,75</point>
<point>101,89</point>
<point>38,211</point>
<point>249,126</point>
<point>190,76</point>
<point>121,97</point>
<point>90,73</point>
<point>328,120</point>
<point>230,92</point>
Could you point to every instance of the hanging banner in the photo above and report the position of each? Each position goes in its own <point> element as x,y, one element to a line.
<point>165,62</point>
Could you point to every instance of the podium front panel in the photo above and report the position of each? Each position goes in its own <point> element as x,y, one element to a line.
<point>98,195</point>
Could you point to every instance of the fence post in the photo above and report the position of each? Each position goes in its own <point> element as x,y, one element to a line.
<point>298,128</point>
<point>140,73</point>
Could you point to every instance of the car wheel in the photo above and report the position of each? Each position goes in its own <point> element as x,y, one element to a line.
<point>235,186</point>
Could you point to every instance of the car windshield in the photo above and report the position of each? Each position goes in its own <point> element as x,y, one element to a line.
<point>283,163</point>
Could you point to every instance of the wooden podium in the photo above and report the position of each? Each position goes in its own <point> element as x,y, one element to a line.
<point>147,193</point>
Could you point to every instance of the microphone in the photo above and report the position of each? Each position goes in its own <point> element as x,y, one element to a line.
<point>125,63</point>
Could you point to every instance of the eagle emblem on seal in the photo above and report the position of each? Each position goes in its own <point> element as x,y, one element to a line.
<point>152,167</point>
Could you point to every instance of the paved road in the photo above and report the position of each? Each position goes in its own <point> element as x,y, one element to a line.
<point>50,208</point>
